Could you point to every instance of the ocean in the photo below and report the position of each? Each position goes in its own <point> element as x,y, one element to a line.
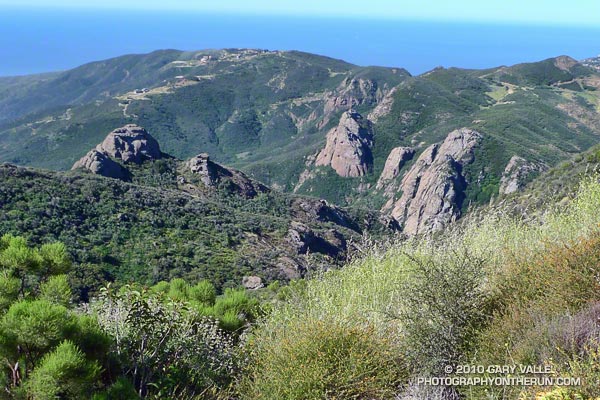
<point>34,41</point>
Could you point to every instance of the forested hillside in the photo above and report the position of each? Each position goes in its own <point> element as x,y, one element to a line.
<point>166,218</point>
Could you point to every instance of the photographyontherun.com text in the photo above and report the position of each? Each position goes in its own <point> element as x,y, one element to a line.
<point>498,375</point>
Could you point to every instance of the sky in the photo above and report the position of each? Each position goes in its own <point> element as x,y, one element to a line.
<point>546,12</point>
<point>41,35</point>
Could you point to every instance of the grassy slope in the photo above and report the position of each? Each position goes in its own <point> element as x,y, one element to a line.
<point>496,292</point>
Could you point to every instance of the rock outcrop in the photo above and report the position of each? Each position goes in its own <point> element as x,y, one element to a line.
<point>397,158</point>
<point>433,189</point>
<point>130,144</point>
<point>101,164</point>
<point>354,92</point>
<point>383,107</point>
<point>565,63</point>
<point>204,168</point>
<point>516,174</point>
<point>212,174</point>
<point>348,148</point>
<point>252,282</point>
<point>312,209</point>
<point>304,240</point>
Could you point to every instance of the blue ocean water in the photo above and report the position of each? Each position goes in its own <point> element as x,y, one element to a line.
<point>33,41</point>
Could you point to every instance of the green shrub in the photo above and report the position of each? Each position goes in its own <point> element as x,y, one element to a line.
<point>35,325</point>
<point>234,308</point>
<point>55,259</point>
<point>161,287</point>
<point>178,289</point>
<point>56,290</point>
<point>16,256</point>
<point>164,347</point>
<point>64,373</point>
<point>122,389</point>
<point>313,359</point>
<point>203,292</point>
<point>9,290</point>
<point>441,306</point>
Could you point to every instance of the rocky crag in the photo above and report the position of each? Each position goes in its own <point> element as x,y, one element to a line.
<point>129,144</point>
<point>348,147</point>
<point>517,173</point>
<point>433,189</point>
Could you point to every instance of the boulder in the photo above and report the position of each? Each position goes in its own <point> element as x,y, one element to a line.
<point>252,282</point>
<point>204,168</point>
<point>101,164</point>
<point>130,143</point>
<point>211,174</point>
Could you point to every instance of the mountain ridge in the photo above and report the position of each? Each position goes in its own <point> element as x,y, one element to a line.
<point>279,117</point>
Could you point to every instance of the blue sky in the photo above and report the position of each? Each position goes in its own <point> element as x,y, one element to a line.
<point>546,12</point>
<point>43,35</point>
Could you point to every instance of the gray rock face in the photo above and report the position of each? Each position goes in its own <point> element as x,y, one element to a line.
<point>305,240</point>
<point>516,173</point>
<point>354,92</point>
<point>394,163</point>
<point>290,268</point>
<point>204,168</point>
<point>433,189</point>
<point>211,174</point>
<point>321,210</point>
<point>252,282</point>
<point>348,147</point>
<point>130,143</point>
<point>383,107</point>
<point>100,164</point>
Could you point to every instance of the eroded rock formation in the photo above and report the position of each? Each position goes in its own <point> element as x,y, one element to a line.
<point>101,164</point>
<point>397,158</point>
<point>211,174</point>
<point>348,148</point>
<point>516,173</point>
<point>433,189</point>
<point>130,144</point>
<point>304,240</point>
